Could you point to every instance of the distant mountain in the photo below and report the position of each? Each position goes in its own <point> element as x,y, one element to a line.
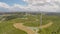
<point>46,13</point>
<point>53,13</point>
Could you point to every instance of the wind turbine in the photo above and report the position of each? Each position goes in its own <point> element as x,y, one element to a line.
<point>40,18</point>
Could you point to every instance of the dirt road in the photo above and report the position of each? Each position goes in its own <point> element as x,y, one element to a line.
<point>27,29</point>
<point>24,28</point>
<point>47,25</point>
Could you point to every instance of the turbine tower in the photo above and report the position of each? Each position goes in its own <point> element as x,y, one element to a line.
<point>41,19</point>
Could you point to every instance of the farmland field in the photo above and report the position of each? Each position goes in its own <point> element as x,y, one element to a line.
<point>31,21</point>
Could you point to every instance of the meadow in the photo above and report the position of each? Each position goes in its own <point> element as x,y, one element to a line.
<point>30,20</point>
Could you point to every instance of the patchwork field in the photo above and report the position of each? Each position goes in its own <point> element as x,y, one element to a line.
<point>29,24</point>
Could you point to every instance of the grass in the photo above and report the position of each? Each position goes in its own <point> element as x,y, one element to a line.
<point>7,26</point>
<point>55,28</point>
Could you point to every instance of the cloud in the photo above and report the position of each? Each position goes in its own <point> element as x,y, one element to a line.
<point>44,5</point>
<point>4,5</point>
<point>34,5</point>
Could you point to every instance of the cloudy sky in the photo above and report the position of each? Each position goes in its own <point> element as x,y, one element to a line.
<point>30,5</point>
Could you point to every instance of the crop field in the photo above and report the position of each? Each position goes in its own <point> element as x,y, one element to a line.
<point>29,24</point>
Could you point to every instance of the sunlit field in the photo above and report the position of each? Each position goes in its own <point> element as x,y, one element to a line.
<point>50,23</point>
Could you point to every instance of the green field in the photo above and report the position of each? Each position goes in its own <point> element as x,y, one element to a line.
<point>6,26</point>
